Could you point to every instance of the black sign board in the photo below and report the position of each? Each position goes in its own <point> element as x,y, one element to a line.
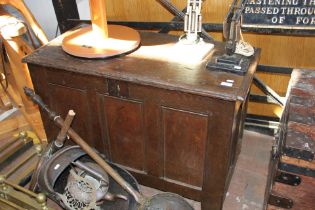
<point>284,14</point>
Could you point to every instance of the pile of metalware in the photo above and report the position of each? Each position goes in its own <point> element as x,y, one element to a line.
<point>77,177</point>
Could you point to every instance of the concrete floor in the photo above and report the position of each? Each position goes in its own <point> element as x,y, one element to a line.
<point>248,184</point>
<point>247,188</point>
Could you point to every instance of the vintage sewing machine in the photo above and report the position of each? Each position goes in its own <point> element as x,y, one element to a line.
<point>237,51</point>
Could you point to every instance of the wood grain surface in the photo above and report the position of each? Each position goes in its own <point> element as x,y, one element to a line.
<point>277,50</point>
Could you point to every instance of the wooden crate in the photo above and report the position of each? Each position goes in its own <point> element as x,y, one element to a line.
<point>297,141</point>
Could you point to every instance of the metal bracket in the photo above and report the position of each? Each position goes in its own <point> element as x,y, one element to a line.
<point>281,202</point>
<point>288,179</point>
<point>299,154</point>
<point>268,91</point>
<point>237,64</point>
<point>8,113</point>
<point>296,169</point>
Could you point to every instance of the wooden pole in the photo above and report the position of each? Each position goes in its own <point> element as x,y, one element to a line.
<point>20,5</point>
<point>100,40</point>
<point>98,18</point>
<point>12,32</point>
<point>34,120</point>
<point>16,49</point>
<point>64,129</point>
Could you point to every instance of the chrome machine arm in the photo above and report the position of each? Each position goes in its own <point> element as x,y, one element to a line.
<point>193,20</point>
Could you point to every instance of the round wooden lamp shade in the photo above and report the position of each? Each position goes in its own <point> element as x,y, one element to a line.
<point>100,40</point>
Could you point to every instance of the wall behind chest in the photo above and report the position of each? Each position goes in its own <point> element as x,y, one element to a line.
<point>45,15</point>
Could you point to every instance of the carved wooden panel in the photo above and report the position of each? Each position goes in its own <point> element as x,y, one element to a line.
<point>185,136</point>
<point>126,132</point>
<point>168,123</point>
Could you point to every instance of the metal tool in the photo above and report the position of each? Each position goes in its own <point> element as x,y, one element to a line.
<point>83,191</point>
<point>159,201</point>
<point>192,21</point>
<point>235,57</point>
<point>75,182</point>
<point>89,170</point>
<point>181,15</point>
<point>232,26</point>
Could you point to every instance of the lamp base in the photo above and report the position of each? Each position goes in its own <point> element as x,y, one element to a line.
<point>85,43</point>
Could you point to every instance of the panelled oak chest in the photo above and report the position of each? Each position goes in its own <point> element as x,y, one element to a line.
<point>175,126</point>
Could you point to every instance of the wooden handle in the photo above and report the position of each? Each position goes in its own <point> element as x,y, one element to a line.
<point>64,129</point>
<point>98,18</point>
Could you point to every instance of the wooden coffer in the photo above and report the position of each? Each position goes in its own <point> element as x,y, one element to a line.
<point>173,125</point>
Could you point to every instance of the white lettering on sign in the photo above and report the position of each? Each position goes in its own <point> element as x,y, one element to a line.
<point>305,20</point>
<point>277,12</point>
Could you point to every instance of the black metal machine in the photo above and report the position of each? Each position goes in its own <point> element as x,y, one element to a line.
<point>237,51</point>
<point>74,181</point>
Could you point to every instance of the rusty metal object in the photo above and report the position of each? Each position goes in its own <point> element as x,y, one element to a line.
<point>51,166</point>
<point>82,191</point>
<point>166,201</point>
<point>52,177</point>
<point>92,172</point>
<point>160,201</point>
<point>281,202</point>
<point>77,139</point>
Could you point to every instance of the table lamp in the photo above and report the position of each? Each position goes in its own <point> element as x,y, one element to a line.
<point>100,40</point>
